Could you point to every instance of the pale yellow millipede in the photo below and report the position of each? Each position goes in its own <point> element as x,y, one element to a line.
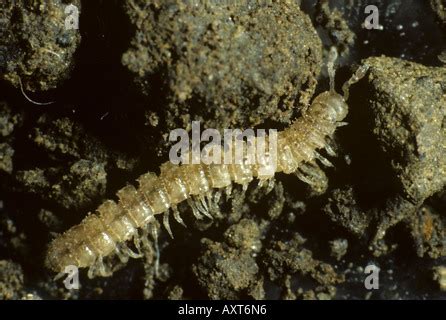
<point>132,217</point>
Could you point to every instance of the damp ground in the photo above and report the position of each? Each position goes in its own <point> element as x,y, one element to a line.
<point>134,72</point>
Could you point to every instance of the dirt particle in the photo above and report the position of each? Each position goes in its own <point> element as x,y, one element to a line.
<point>244,235</point>
<point>36,49</point>
<point>338,248</point>
<point>6,154</point>
<point>224,272</point>
<point>343,208</point>
<point>291,257</point>
<point>428,229</point>
<point>11,280</point>
<point>440,276</point>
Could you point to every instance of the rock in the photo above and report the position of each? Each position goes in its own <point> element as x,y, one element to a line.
<point>234,65</point>
<point>64,141</point>
<point>36,48</point>
<point>343,209</point>
<point>439,6</point>
<point>440,277</point>
<point>291,257</point>
<point>8,119</point>
<point>6,153</point>
<point>428,229</point>
<point>11,280</point>
<point>244,235</point>
<point>85,181</point>
<point>407,104</point>
<point>338,248</point>
<point>224,272</point>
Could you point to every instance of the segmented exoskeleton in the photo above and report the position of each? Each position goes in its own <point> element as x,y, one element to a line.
<point>133,216</point>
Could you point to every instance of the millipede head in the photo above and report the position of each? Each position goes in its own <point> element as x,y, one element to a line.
<point>358,75</point>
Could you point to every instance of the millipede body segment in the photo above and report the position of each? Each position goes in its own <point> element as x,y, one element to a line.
<point>133,216</point>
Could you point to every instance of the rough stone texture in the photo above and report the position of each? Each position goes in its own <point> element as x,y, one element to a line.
<point>35,46</point>
<point>428,229</point>
<point>11,280</point>
<point>408,105</point>
<point>244,235</point>
<point>235,64</point>
<point>84,182</point>
<point>291,257</point>
<point>338,248</point>
<point>338,29</point>
<point>225,273</point>
<point>61,154</point>
<point>439,6</point>
<point>83,178</point>
<point>343,209</point>
<point>440,276</point>
<point>9,120</point>
<point>6,153</point>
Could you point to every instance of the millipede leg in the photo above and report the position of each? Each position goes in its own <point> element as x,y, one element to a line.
<point>228,191</point>
<point>311,171</point>
<point>199,205</point>
<point>195,211</point>
<point>137,243</point>
<point>211,199</point>
<point>145,238</point>
<point>122,257</point>
<point>358,75</point>
<point>203,202</point>
<point>200,202</point>
<point>176,215</point>
<point>322,159</point>
<point>270,185</point>
<point>210,205</point>
<point>166,223</point>
<point>260,183</point>
<point>129,252</point>
<point>330,149</point>
<point>217,196</point>
<point>91,271</point>
<point>154,230</point>
<point>103,271</point>
<point>302,177</point>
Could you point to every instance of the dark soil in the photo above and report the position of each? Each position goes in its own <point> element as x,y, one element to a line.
<point>135,71</point>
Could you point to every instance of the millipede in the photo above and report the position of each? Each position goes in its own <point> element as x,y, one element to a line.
<point>132,218</point>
